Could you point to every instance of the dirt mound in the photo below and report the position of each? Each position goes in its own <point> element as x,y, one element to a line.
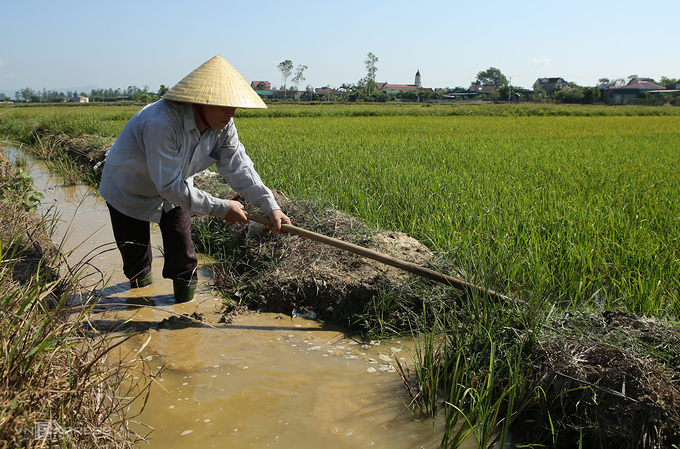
<point>306,276</point>
<point>330,282</point>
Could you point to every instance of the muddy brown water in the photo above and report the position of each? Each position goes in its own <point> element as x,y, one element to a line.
<point>265,380</point>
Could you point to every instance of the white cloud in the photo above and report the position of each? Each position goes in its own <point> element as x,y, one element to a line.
<point>541,60</point>
<point>2,62</point>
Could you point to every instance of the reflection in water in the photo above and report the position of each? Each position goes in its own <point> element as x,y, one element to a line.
<point>265,380</point>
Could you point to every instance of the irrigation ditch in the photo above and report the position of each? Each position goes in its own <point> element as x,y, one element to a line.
<point>546,376</point>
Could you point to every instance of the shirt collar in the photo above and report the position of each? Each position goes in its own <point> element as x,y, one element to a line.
<point>189,118</point>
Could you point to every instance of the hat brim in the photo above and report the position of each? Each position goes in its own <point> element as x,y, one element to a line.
<point>217,83</point>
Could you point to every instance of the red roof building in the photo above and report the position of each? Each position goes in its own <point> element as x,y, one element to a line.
<point>261,85</point>
<point>402,87</point>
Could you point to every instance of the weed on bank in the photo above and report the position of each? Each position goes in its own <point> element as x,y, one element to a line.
<point>58,387</point>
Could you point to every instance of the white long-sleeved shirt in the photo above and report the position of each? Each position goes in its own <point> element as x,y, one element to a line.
<point>151,165</point>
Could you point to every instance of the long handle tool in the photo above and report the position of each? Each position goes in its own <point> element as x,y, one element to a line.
<point>384,258</point>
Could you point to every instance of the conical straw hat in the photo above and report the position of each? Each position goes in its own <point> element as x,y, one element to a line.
<point>216,82</point>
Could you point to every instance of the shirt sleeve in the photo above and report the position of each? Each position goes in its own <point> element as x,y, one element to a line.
<point>236,167</point>
<point>163,159</point>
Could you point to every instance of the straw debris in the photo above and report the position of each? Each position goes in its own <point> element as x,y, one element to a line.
<point>610,380</point>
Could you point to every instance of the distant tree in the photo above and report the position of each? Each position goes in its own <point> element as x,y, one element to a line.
<point>286,68</point>
<point>612,82</point>
<point>591,95</point>
<point>162,90</point>
<point>576,94</point>
<point>538,94</point>
<point>24,94</point>
<point>55,97</point>
<point>492,77</point>
<point>452,90</point>
<point>494,95</point>
<point>505,92</point>
<point>345,87</point>
<point>309,93</point>
<point>668,81</point>
<point>298,78</point>
<point>371,70</point>
<point>427,95</point>
<point>383,97</point>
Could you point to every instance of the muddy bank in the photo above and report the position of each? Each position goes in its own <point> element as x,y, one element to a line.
<point>259,379</point>
<point>22,231</point>
<point>610,379</point>
<point>281,274</point>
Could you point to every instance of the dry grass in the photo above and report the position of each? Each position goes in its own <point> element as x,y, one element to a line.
<point>610,380</point>
<point>57,385</point>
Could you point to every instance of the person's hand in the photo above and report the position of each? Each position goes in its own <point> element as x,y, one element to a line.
<point>236,213</point>
<point>277,218</point>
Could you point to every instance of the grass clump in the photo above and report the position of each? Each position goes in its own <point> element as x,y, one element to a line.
<point>57,385</point>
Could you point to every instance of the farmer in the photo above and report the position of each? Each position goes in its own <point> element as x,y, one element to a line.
<point>148,175</point>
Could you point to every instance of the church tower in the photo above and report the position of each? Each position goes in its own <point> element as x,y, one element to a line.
<point>418,79</point>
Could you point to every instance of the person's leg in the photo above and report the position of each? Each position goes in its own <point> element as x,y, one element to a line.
<point>181,262</point>
<point>134,243</point>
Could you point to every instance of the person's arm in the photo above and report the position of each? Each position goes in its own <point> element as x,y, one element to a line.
<point>238,170</point>
<point>236,167</point>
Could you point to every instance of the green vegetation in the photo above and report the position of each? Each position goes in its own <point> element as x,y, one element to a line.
<point>572,210</point>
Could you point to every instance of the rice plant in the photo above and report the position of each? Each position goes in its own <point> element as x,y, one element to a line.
<point>578,209</point>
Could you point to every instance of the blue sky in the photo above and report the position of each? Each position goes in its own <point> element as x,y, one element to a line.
<point>61,44</point>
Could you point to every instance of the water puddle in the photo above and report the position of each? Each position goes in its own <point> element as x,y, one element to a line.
<point>265,380</point>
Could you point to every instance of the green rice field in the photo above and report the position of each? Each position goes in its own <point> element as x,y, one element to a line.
<point>570,205</point>
<point>568,209</point>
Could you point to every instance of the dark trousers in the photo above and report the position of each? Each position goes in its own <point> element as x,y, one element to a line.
<point>134,242</point>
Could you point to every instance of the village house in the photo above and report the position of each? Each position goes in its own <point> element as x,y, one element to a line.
<point>551,84</point>
<point>286,94</point>
<point>481,89</point>
<point>327,93</point>
<point>261,85</point>
<point>263,89</point>
<point>635,87</point>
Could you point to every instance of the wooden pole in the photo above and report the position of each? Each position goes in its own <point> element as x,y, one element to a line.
<point>384,258</point>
